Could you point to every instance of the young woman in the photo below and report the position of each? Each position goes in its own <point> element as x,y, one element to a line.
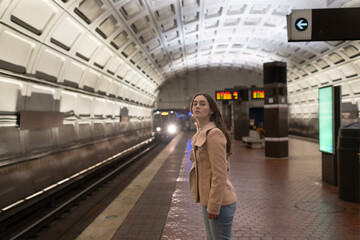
<point>211,147</point>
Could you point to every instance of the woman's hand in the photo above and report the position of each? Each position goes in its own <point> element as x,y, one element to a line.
<point>212,216</point>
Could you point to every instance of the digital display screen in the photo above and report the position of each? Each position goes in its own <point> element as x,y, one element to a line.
<point>235,95</point>
<point>326,120</point>
<point>258,94</point>
<point>226,95</point>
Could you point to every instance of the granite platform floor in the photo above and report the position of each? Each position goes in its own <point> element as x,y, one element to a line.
<point>277,198</point>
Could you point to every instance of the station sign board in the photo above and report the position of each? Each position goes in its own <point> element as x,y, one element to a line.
<point>325,24</point>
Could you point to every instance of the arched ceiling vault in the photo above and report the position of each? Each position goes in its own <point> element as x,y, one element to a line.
<point>167,38</point>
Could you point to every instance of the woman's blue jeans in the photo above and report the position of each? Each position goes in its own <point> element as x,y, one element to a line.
<point>219,228</point>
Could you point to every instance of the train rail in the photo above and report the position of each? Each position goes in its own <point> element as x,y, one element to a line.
<point>24,220</point>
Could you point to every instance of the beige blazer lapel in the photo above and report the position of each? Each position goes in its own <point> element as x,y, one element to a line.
<point>200,137</point>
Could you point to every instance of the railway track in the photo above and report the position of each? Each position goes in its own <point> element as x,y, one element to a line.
<point>61,212</point>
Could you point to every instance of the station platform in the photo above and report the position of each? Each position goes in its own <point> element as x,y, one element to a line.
<point>277,199</point>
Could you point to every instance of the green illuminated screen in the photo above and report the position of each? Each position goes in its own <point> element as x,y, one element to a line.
<point>326,134</point>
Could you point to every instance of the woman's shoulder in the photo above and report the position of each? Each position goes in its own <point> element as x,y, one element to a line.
<point>215,133</point>
<point>214,130</point>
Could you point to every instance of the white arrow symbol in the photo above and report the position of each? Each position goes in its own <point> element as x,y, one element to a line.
<point>301,24</point>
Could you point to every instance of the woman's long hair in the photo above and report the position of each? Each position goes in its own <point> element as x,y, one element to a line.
<point>217,118</point>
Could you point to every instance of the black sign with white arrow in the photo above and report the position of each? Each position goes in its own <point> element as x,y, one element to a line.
<point>301,24</point>
<point>326,24</point>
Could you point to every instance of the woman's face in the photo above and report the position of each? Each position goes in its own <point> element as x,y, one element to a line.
<point>201,109</point>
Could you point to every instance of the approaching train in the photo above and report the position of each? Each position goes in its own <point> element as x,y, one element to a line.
<point>165,125</point>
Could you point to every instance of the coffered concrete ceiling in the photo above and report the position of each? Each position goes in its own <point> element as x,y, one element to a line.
<point>177,36</point>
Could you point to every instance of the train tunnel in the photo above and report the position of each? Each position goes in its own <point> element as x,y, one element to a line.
<point>80,79</point>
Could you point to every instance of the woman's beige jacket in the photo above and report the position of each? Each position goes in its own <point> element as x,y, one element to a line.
<point>215,188</point>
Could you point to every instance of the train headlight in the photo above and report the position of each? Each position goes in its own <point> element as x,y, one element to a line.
<point>158,129</point>
<point>172,129</point>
